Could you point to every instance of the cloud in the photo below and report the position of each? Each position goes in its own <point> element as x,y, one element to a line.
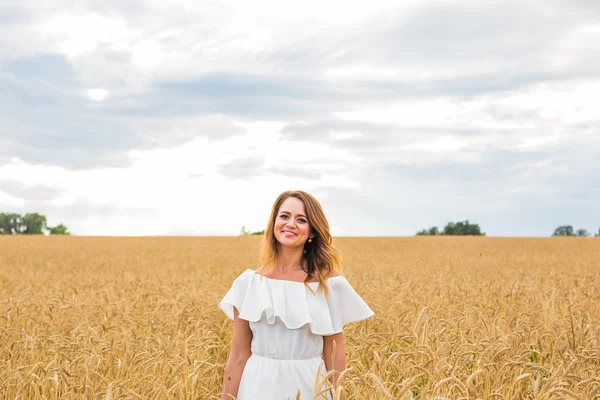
<point>33,193</point>
<point>243,168</point>
<point>63,130</point>
<point>70,130</point>
<point>296,172</point>
<point>13,15</point>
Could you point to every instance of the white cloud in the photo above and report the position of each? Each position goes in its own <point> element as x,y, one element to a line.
<point>147,54</point>
<point>346,135</point>
<point>97,94</point>
<point>538,141</point>
<point>590,29</point>
<point>440,144</point>
<point>11,201</point>
<point>78,34</point>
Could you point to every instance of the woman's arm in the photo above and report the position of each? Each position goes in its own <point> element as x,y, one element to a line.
<point>338,364</point>
<point>240,352</point>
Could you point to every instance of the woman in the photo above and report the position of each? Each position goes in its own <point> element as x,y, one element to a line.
<point>291,310</point>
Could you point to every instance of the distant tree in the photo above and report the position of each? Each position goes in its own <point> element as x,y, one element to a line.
<point>564,230</point>
<point>433,231</point>
<point>598,234</point>
<point>29,224</point>
<point>582,232</point>
<point>462,229</point>
<point>59,230</point>
<point>10,224</point>
<point>245,232</point>
<point>34,224</point>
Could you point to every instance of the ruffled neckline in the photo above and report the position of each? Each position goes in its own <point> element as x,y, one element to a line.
<point>288,281</point>
<point>294,304</point>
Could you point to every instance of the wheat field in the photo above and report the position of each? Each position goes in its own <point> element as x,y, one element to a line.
<point>455,318</point>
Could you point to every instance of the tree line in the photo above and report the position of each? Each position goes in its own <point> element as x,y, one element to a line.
<point>36,224</point>
<point>467,229</point>
<point>246,232</point>
<point>462,228</point>
<point>28,224</point>
<point>568,230</point>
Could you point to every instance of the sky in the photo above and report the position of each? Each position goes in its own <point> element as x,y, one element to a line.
<point>190,117</point>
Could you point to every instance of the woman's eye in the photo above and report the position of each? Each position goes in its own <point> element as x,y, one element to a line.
<point>285,216</point>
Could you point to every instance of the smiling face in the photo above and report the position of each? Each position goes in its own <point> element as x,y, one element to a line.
<point>291,224</point>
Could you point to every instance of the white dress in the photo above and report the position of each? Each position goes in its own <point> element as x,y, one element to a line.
<point>288,323</point>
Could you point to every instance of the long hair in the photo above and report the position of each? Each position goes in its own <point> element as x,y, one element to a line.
<point>322,259</point>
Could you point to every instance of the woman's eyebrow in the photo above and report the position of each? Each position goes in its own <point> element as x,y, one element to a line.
<point>287,212</point>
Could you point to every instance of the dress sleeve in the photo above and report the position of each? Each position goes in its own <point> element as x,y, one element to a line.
<point>235,295</point>
<point>345,305</point>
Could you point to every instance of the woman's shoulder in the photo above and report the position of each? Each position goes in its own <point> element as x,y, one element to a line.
<point>333,274</point>
<point>243,277</point>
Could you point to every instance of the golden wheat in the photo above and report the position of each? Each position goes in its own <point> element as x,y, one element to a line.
<point>456,318</point>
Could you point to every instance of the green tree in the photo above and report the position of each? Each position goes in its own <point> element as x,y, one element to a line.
<point>463,228</point>
<point>30,224</point>
<point>433,231</point>
<point>245,232</point>
<point>597,234</point>
<point>582,233</point>
<point>564,230</point>
<point>10,224</point>
<point>59,230</point>
<point>34,224</point>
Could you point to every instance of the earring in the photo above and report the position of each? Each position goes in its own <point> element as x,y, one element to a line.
<point>309,240</point>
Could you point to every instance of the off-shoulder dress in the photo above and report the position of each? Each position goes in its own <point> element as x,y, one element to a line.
<point>288,323</point>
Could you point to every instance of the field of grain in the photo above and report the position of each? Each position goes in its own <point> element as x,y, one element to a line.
<point>456,318</point>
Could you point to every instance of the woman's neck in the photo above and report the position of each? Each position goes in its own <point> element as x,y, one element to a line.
<point>288,259</point>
